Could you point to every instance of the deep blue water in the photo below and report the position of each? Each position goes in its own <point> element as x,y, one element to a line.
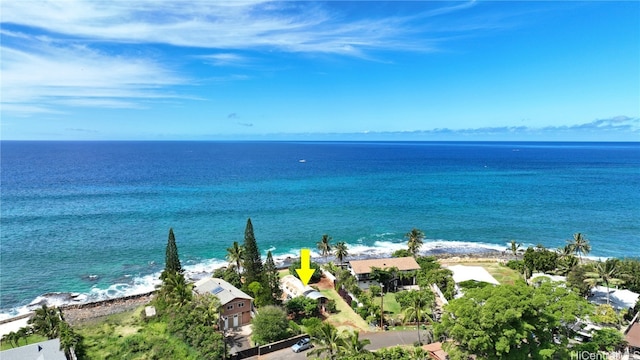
<point>93,217</point>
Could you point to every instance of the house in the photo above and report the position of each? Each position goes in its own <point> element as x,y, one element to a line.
<point>45,350</point>
<point>362,269</point>
<point>293,287</point>
<point>236,306</point>
<point>620,299</point>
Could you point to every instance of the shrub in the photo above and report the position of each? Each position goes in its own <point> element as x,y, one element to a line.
<point>317,275</point>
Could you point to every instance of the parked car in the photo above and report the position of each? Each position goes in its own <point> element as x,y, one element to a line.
<point>301,345</point>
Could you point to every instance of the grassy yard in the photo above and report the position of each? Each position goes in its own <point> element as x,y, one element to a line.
<point>503,274</point>
<point>345,318</point>
<point>126,335</point>
<point>31,339</point>
<point>391,306</point>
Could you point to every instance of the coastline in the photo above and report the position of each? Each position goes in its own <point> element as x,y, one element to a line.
<point>84,311</point>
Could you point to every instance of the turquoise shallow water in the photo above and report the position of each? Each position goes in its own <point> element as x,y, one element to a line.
<point>93,217</point>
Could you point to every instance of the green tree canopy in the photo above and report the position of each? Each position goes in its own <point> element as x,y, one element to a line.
<point>252,260</point>
<point>272,279</point>
<point>511,321</point>
<point>302,307</point>
<point>270,325</point>
<point>172,260</point>
<point>608,339</point>
<point>540,259</point>
<point>317,275</point>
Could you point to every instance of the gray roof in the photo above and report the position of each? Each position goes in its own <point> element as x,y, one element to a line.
<point>315,295</point>
<point>221,289</point>
<point>46,350</point>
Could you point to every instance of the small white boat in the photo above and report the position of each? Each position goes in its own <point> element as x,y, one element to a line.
<point>302,161</point>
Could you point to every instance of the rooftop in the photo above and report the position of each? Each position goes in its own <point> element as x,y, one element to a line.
<point>221,289</point>
<point>619,299</point>
<point>633,335</point>
<point>402,264</point>
<point>292,286</point>
<point>45,350</point>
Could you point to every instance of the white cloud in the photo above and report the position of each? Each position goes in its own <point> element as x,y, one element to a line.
<point>50,61</point>
<point>287,26</point>
<point>56,75</point>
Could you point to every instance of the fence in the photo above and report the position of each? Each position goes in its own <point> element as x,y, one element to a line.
<point>268,348</point>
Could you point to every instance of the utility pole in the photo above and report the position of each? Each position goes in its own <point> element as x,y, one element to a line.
<point>381,306</point>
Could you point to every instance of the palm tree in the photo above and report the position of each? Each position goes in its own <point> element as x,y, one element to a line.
<point>341,251</point>
<point>605,272</point>
<point>175,290</point>
<point>235,255</point>
<point>326,340</point>
<point>69,340</point>
<point>419,308</point>
<point>46,322</point>
<point>23,333</point>
<point>566,264</point>
<point>12,338</point>
<point>352,345</point>
<point>416,237</point>
<point>515,248</point>
<point>324,245</point>
<point>579,245</point>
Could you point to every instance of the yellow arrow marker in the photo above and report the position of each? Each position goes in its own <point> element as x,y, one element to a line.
<point>305,272</point>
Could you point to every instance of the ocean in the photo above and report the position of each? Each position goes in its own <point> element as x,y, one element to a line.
<point>85,221</point>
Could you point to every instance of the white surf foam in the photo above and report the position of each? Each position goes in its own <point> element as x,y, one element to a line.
<point>196,270</point>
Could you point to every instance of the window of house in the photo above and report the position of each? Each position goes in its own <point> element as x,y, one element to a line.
<point>229,307</point>
<point>240,304</point>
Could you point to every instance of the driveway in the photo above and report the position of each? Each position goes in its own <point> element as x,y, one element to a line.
<point>378,340</point>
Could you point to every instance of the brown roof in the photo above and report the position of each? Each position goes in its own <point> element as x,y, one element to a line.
<point>633,335</point>
<point>403,264</point>
<point>435,351</point>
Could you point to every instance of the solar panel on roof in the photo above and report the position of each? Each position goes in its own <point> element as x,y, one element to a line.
<point>217,290</point>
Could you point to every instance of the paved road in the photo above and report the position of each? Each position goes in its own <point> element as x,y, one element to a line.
<point>378,340</point>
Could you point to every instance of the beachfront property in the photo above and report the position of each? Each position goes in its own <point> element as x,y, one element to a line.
<point>293,287</point>
<point>236,307</point>
<point>362,269</point>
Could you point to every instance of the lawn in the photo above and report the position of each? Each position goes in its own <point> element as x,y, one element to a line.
<point>503,274</point>
<point>31,339</point>
<point>391,306</point>
<point>345,318</point>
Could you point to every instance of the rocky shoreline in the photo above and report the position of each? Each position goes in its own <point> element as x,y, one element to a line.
<point>85,312</point>
<point>81,313</point>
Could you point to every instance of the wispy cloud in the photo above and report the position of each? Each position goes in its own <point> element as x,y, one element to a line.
<point>59,55</point>
<point>51,74</point>
<point>286,26</point>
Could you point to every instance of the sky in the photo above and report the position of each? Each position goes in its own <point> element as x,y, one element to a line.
<point>336,70</point>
